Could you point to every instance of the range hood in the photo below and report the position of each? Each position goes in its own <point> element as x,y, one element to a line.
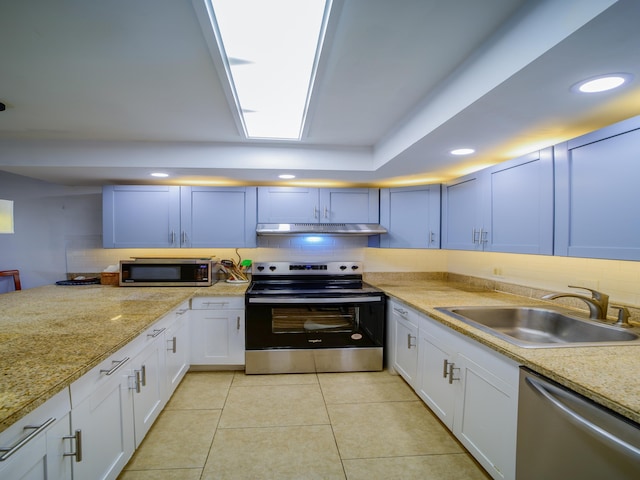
<point>346,229</point>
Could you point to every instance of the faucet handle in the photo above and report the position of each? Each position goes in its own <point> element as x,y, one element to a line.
<point>596,295</point>
<point>623,316</point>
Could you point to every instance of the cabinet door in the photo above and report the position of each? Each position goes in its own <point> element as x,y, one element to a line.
<point>520,209</point>
<point>141,216</point>
<point>486,413</point>
<point>217,337</point>
<point>349,205</point>
<point>597,194</point>
<point>218,217</point>
<point>462,205</point>
<point>406,344</point>
<point>288,205</point>
<point>105,419</point>
<point>60,449</point>
<point>411,215</point>
<point>434,368</point>
<point>178,355</point>
<point>149,374</point>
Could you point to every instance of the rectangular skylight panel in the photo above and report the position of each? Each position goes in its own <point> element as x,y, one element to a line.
<point>271,49</point>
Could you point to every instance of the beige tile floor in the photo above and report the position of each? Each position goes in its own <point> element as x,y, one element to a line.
<point>228,425</point>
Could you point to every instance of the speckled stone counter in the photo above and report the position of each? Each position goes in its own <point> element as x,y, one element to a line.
<point>52,335</point>
<point>609,375</point>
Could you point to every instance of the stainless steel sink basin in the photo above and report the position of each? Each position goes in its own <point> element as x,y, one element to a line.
<point>539,327</point>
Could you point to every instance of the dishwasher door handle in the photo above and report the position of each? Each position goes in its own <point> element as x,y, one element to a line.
<point>615,442</point>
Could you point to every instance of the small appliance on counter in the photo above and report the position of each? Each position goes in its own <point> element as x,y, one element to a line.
<point>167,272</point>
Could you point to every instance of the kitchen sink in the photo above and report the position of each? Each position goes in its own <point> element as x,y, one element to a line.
<point>542,327</point>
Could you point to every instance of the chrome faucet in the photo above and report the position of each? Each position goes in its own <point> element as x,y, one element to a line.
<point>598,303</point>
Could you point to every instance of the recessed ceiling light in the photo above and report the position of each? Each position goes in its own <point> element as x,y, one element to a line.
<point>159,174</point>
<point>462,151</point>
<point>601,83</point>
<point>286,176</point>
<point>271,51</point>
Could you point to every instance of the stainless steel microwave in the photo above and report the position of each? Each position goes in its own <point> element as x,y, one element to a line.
<point>166,272</point>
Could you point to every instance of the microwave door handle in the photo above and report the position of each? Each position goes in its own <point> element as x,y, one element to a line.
<point>616,443</point>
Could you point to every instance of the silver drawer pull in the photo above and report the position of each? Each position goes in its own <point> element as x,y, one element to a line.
<point>78,439</point>
<point>445,369</point>
<point>172,342</point>
<point>116,366</point>
<point>137,381</point>
<point>451,377</point>
<point>238,323</point>
<point>8,451</point>
<point>156,332</point>
<point>409,344</point>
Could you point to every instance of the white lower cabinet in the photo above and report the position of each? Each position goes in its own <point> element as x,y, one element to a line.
<point>217,331</point>
<point>434,386</point>
<point>102,410</point>
<point>178,354</point>
<point>405,341</point>
<point>38,447</point>
<point>149,383</point>
<point>471,388</point>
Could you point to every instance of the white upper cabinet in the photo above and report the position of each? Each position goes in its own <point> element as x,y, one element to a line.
<point>506,208</point>
<point>317,205</point>
<point>597,194</point>
<point>411,216</point>
<point>174,217</point>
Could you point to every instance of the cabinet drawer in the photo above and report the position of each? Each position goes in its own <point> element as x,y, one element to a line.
<point>115,366</point>
<point>217,303</point>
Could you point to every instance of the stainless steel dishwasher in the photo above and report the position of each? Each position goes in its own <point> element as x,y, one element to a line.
<point>562,435</point>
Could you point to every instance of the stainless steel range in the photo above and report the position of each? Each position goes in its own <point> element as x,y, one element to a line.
<point>313,317</point>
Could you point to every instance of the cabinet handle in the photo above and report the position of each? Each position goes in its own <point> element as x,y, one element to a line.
<point>445,368</point>
<point>172,237</point>
<point>156,332</point>
<point>143,371</point>
<point>8,451</point>
<point>473,236</point>
<point>182,311</point>
<point>430,237</point>
<point>483,235</point>
<point>315,212</point>
<point>400,311</point>
<point>451,369</point>
<point>78,439</point>
<point>222,304</point>
<point>137,381</point>
<point>238,322</point>
<point>409,344</point>
<point>116,366</point>
<point>172,349</point>
<point>184,238</point>
<point>326,212</point>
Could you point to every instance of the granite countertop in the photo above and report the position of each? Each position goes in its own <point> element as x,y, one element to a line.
<point>50,336</point>
<point>608,374</point>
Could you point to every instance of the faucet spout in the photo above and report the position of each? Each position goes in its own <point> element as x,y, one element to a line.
<point>598,303</point>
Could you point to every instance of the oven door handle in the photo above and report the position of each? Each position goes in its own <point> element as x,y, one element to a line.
<point>315,300</point>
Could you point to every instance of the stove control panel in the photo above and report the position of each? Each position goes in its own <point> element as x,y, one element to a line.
<point>312,268</point>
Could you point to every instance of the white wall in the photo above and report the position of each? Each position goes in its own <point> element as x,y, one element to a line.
<point>46,218</point>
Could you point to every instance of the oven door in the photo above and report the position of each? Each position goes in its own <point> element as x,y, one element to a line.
<point>300,322</point>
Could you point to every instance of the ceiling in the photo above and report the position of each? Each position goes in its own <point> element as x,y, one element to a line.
<point>109,91</point>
